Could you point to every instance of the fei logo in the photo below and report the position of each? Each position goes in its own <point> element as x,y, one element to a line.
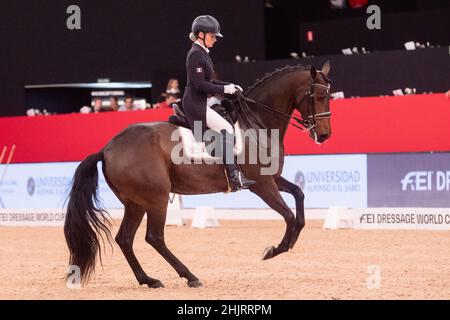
<point>423,181</point>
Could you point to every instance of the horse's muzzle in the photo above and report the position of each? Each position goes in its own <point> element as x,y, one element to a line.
<point>321,138</point>
<point>318,138</point>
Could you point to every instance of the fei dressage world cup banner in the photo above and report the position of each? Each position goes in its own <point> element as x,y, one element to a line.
<point>402,218</point>
<point>352,181</point>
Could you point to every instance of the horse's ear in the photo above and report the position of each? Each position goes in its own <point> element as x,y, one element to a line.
<point>326,68</point>
<point>313,72</point>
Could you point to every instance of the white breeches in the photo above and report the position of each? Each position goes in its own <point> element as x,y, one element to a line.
<point>215,122</point>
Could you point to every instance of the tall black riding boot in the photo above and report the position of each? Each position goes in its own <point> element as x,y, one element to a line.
<point>236,178</point>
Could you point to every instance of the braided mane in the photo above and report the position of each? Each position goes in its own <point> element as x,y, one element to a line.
<point>272,74</point>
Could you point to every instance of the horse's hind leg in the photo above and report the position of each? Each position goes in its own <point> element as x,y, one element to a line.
<point>131,220</point>
<point>156,219</point>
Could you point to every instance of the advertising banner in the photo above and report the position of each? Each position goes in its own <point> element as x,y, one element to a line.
<point>402,218</point>
<point>409,180</point>
<point>45,185</point>
<point>326,180</point>
<point>32,217</point>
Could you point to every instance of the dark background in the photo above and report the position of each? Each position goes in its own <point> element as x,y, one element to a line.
<point>336,29</point>
<point>136,40</point>
<point>426,70</point>
<point>330,37</point>
<point>143,40</point>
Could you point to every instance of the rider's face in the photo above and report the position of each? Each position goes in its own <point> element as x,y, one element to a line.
<point>210,39</point>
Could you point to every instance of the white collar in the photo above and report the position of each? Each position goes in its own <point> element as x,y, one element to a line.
<point>201,45</point>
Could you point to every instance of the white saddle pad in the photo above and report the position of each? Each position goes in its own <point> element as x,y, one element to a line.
<point>197,150</point>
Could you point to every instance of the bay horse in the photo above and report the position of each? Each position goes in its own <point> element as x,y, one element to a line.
<point>137,167</point>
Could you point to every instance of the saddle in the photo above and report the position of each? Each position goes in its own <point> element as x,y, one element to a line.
<point>226,109</point>
<point>195,150</point>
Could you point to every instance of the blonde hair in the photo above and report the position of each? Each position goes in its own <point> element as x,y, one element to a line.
<point>193,37</point>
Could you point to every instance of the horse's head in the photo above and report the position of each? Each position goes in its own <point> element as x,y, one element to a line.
<point>274,98</point>
<point>314,106</point>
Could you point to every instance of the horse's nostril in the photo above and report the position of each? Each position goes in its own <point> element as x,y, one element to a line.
<point>323,137</point>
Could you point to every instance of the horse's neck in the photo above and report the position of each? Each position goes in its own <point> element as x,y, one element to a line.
<point>279,99</point>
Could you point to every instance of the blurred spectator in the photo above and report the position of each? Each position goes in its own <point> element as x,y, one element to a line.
<point>168,102</point>
<point>447,94</point>
<point>85,110</point>
<point>173,86</point>
<point>32,112</point>
<point>98,104</point>
<point>36,112</point>
<point>113,104</point>
<point>128,104</point>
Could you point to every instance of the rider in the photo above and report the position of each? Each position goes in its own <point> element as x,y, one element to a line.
<point>200,84</point>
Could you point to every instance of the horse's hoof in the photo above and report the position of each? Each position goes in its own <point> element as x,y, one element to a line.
<point>157,284</point>
<point>195,284</point>
<point>268,253</point>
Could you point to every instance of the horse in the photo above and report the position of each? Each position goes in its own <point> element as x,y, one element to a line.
<point>137,167</point>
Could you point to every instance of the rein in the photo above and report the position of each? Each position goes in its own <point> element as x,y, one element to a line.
<point>305,124</point>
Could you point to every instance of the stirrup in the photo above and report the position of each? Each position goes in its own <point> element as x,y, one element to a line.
<point>237,181</point>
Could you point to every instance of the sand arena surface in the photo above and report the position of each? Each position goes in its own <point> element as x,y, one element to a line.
<point>323,265</point>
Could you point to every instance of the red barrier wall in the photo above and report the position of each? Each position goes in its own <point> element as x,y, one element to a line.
<point>68,137</point>
<point>391,124</point>
<point>416,123</point>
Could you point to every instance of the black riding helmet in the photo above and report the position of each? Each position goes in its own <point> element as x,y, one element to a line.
<point>206,24</point>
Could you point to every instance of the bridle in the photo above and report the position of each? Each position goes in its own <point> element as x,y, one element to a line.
<point>310,122</point>
<point>305,124</point>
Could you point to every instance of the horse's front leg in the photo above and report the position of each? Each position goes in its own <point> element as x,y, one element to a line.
<point>287,186</point>
<point>268,191</point>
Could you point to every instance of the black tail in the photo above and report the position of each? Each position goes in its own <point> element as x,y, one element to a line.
<point>85,222</point>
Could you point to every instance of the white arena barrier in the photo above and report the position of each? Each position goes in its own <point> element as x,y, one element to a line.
<point>338,217</point>
<point>174,211</point>
<point>204,217</point>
